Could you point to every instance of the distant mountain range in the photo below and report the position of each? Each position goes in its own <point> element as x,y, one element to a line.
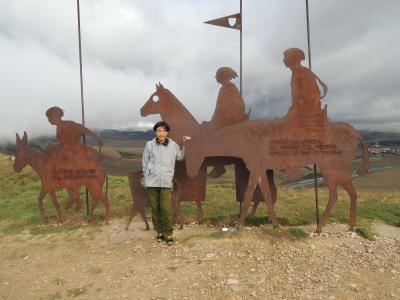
<point>113,134</point>
<point>383,138</point>
<point>372,137</point>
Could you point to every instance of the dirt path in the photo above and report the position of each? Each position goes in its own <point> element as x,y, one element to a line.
<point>105,262</point>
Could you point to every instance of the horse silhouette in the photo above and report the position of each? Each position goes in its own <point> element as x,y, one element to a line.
<point>51,179</point>
<point>182,122</point>
<point>266,144</point>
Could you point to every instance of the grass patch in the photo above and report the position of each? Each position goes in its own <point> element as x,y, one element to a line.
<point>53,296</point>
<point>257,221</point>
<point>365,233</point>
<point>295,207</point>
<point>297,233</point>
<point>217,235</point>
<point>75,292</point>
<point>94,270</point>
<point>129,154</point>
<point>275,231</point>
<point>190,240</point>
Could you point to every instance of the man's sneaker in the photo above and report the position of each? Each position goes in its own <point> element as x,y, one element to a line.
<point>159,237</point>
<point>169,241</point>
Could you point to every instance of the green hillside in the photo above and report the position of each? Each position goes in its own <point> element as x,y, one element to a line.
<point>19,205</point>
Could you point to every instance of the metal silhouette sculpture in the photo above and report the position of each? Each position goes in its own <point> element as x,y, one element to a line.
<point>230,106</point>
<point>305,110</point>
<point>140,198</point>
<point>229,110</point>
<point>69,164</point>
<point>303,137</point>
<point>232,21</point>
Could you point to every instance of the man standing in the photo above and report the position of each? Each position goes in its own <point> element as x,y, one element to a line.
<point>158,164</point>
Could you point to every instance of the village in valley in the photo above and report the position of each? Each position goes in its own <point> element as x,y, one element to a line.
<point>380,150</point>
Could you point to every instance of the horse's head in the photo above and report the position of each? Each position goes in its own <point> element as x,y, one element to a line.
<point>193,158</point>
<point>20,153</point>
<point>151,106</point>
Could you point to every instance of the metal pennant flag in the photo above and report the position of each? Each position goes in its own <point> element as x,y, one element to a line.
<point>232,21</point>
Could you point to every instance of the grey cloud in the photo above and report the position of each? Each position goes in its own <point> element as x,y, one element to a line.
<point>130,45</point>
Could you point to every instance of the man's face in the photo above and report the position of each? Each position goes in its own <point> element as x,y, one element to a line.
<point>161,133</point>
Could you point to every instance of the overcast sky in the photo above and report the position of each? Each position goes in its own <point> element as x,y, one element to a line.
<point>129,45</point>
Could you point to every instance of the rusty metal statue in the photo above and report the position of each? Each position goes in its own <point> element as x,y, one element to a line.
<point>230,106</point>
<point>69,164</point>
<point>276,149</point>
<point>172,111</point>
<point>305,110</point>
<point>288,143</point>
<point>163,102</point>
<point>140,198</point>
<point>305,116</point>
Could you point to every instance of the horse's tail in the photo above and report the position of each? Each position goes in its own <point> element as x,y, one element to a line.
<point>363,168</point>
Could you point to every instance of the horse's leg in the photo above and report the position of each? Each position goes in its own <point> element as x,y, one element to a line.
<point>251,186</point>
<point>332,187</point>
<point>179,217</point>
<point>95,195</point>
<point>56,205</point>
<point>264,186</point>
<point>218,170</point>
<point>71,198</point>
<point>200,214</point>
<point>254,208</point>
<point>143,215</point>
<point>348,186</point>
<point>141,209</point>
<point>176,206</point>
<point>45,218</point>
<point>175,200</point>
<point>106,203</point>
<point>78,199</point>
<point>272,189</point>
<point>272,186</point>
<point>257,199</point>
<point>134,210</point>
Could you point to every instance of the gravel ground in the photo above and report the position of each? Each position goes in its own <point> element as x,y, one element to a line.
<point>106,262</point>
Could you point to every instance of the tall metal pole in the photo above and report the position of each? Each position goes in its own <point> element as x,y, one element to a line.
<point>309,66</point>
<point>80,61</point>
<point>81,80</point>
<point>308,35</point>
<point>241,73</point>
<point>241,48</point>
